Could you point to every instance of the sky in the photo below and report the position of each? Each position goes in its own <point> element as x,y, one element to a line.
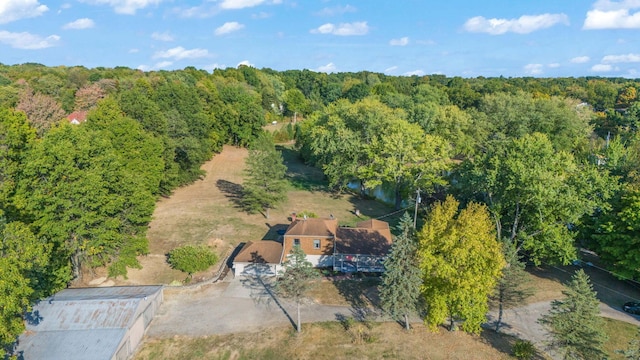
<point>468,38</point>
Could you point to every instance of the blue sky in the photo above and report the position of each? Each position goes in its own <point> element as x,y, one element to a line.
<point>469,38</point>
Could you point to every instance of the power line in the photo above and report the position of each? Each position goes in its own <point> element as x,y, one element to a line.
<point>392,213</point>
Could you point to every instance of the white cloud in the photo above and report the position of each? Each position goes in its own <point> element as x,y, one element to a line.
<point>134,51</point>
<point>179,53</point>
<point>241,4</point>
<point>79,24</point>
<point>580,59</point>
<point>156,66</point>
<point>602,68</point>
<point>554,65</point>
<point>12,10</point>
<point>245,63</point>
<point>628,58</point>
<point>414,72</point>
<point>228,27</point>
<point>608,14</point>
<point>199,12</point>
<point>165,36</point>
<point>336,10</point>
<point>403,41</point>
<point>329,68</point>
<point>344,29</point>
<point>522,25</point>
<point>390,69</point>
<point>128,7</point>
<point>27,41</point>
<point>533,69</point>
<point>163,64</point>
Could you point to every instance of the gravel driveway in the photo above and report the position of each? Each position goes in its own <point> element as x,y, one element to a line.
<point>246,304</point>
<point>233,305</point>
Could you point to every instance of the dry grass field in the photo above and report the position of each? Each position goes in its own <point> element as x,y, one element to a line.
<point>207,212</point>
<point>335,341</point>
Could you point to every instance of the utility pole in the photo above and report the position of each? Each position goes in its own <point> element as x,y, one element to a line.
<point>415,214</point>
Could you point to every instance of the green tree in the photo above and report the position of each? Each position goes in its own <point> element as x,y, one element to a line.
<point>374,144</point>
<point>296,279</point>
<point>401,281</point>
<point>574,323</point>
<point>616,233</point>
<point>295,102</point>
<point>264,185</point>
<point>15,137</point>
<point>90,190</point>
<point>191,258</point>
<point>512,287</point>
<point>535,194</point>
<point>461,263</point>
<point>21,255</point>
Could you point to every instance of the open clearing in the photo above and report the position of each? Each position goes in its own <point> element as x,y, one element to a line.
<point>207,212</point>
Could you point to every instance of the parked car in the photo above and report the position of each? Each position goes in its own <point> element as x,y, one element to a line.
<point>632,307</point>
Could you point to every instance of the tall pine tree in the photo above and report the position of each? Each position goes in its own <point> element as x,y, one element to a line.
<point>264,185</point>
<point>574,323</point>
<point>401,281</point>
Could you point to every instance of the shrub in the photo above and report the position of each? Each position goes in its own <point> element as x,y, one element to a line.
<point>191,258</point>
<point>524,349</point>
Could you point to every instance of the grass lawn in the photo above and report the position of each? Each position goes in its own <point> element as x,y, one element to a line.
<point>620,333</point>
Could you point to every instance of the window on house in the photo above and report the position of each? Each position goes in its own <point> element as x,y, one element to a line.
<point>296,242</point>
<point>316,244</point>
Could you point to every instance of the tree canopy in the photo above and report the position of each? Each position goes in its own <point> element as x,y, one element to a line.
<point>461,262</point>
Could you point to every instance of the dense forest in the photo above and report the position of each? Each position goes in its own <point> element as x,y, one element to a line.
<point>555,160</point>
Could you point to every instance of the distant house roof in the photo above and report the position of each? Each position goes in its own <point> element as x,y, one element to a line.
<point>313,227</point>
<point>260,252</point>
<point>77,117</point>
<point>86,323</point>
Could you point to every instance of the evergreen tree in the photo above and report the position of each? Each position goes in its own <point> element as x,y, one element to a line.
<point>296,279</point>
<point>512,287</point>
<point>574,323</point>
<point>264,185</point>
<point>401,281</point>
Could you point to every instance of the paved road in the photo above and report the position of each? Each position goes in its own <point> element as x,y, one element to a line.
<point>523,322</point>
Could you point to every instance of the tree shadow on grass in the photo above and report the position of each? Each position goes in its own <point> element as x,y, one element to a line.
<point>360,294</point>
<point>300,175</point>
<point>505,343</point>
<point>232,191</point>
